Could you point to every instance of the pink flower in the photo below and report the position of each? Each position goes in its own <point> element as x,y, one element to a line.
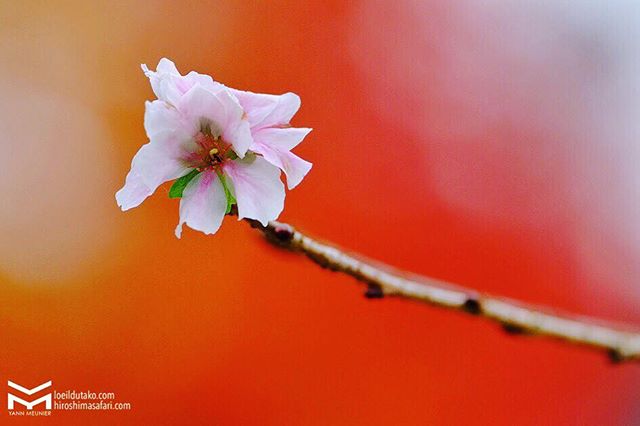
<point>273,138</point>
<point>223,146</point>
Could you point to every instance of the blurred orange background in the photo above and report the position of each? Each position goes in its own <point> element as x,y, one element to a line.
<point>492,144</point>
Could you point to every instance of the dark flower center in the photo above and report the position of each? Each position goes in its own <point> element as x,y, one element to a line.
<point>212,152</point>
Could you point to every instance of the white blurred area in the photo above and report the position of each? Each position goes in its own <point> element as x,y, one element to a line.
<point>56,151</point>
<point>52,221</point>
<point>529,113</point>
<point>71,115</point>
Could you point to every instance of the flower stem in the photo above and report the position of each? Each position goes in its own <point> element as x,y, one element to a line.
<point>514,317</point>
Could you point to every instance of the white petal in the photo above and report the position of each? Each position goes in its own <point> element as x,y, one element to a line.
<point>167,66</point>
<point>284,139</point>
<point>167,83</point>
<point>160,117</point>
<point>268,110</point>
<point>222,111</point>
<point>133,192</point>
<point>257,188</point>
<point>168,129</point>
<point>203,204</point>
<point>150,167</point>
<point>161,80</point>
<point>203,80</point>
<point>294,167</point>
<point>274,144</point>
<point>170,88</point>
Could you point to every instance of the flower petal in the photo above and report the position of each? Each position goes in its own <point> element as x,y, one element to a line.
<point>203,204</point>
<point>152,165</point>
<point>161,117</point>
<point>274,144</point>
<point>167,83</point>
<point>133,193</point>
<point>268,110</point>
<point>221,110</point>
<point>162,80</point>
<point>257,188</point>
<point>294,167</point>
<point>166,66</point>
<point>203,80</point>
<point>284,139</point>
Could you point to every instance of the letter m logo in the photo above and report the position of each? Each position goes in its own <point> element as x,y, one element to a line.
<point>12,399</point>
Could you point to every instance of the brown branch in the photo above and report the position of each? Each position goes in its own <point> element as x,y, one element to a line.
<point>514,317</point>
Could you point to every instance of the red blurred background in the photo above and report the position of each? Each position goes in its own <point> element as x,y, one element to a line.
<point>492,144</point>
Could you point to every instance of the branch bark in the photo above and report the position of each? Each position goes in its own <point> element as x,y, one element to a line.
<point>515,317</point>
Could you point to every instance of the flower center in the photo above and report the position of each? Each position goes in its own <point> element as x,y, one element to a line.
<point>212,153</point>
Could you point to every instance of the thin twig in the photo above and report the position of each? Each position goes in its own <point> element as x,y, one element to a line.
<point>514,317</point>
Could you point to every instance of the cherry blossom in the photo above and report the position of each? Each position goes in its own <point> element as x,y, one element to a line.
<point>222,146</point>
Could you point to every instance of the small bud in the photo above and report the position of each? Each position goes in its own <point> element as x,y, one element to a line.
<point>283,233</point>
<point>615,356</point>
<point>472,305</point>
<point>513,328</point>
<point>374,291</point>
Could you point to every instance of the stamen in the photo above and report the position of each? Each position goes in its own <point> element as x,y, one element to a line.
<point>213,152</point>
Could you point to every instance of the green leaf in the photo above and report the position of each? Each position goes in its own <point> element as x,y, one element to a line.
<point>231,200</point>
<point>180,184</point>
